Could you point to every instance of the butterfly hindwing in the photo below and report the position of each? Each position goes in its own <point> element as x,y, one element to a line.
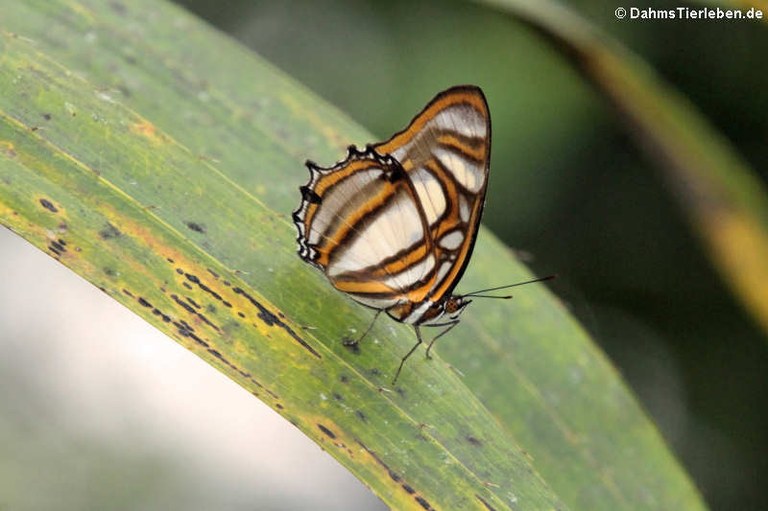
<point>364,211</point>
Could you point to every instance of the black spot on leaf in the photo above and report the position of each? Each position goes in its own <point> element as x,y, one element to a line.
<point>49,205</point>
<point>109,232</point>
<point>194,226</point>
<point>326,431</point>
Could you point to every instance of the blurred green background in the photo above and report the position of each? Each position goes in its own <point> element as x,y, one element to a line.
<point>570,190</point>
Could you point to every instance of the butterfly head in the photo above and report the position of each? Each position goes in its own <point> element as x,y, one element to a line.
<point>454,305</point>
<point>447,309</point>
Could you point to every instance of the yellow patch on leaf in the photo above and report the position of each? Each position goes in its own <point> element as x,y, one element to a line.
<point>148,130</point>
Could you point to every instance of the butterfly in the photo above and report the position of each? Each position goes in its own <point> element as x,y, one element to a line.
<point>393,226</point>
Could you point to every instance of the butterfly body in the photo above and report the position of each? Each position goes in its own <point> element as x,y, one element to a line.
<point>394,225</point>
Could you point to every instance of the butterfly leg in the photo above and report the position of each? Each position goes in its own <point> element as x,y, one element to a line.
<point>449,324</point>
<point>402,362</point>
<point>355,342</point>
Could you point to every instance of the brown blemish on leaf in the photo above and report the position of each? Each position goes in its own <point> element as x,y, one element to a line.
<point>109,232</point>
<point>327,432</point>
<point>194,226</point>
<point>7,148</point>
<point>473,440</point>
<point>183,304</point>
<point>144,128</point>
<point>147,129</point>
<point>157,312</point>
<point>119,8</point>
<point>48,205</point>
<point>331,433</point>
<point>409,489</point>
<point>196,280</point>
<point>423,502</point>
<point>485,503</point>
<point>56,247</point>
<point>272,320</point>
<point>190,309</point>
<point>185,330</point>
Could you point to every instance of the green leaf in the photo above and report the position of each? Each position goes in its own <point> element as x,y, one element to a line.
<point>161,161</point>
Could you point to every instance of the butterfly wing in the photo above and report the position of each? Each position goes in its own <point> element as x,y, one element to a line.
<point>357,222</point>
<point>445,151</point>
<point>394,225</point>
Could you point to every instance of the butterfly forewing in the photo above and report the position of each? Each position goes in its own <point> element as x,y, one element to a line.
<point>394,225</point>
<point>446,152</point>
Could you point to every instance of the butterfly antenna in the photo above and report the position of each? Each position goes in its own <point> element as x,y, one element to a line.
<point>478,293</point>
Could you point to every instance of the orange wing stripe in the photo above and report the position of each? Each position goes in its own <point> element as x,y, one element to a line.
<point>443,101</point>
